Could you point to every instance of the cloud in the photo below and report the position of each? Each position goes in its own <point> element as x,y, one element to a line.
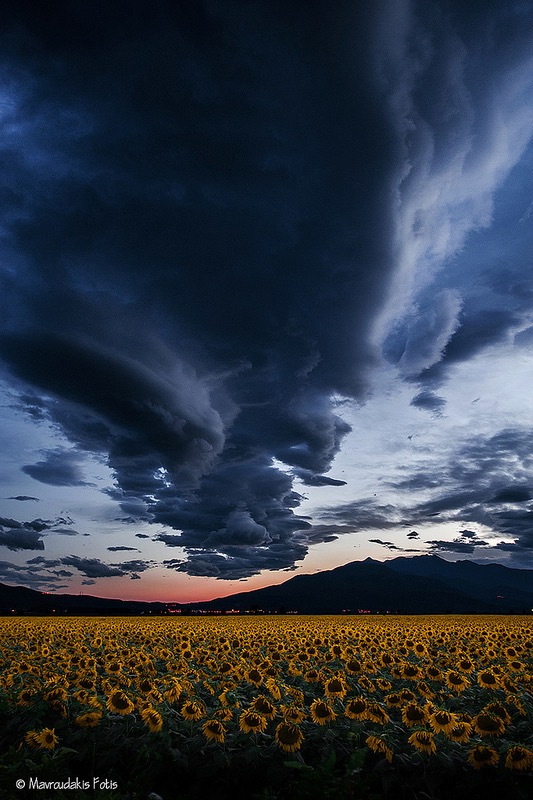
<point>21,539</point>
<point>429,402</point>
<point>195,291</point>
<point>67,532</point>
<point>23,497</point>
<point>309,478</point>
<point>483,480</point>
<point>29,574</point>
<point>428,332</point>
<point>462,124</point>
<point>17,535</point>
<point>92,567</point>
<point>59,468</point>
<point>122,547</point>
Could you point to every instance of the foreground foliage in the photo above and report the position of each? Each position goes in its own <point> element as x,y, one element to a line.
<point>267,707</point>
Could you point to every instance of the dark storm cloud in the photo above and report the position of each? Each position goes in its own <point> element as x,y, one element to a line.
<point>59,468</point>
<point>92,567</point>
<point>30,576</point>
<point>136,565</point>
<point>119,548</point>
<point>311,479</point>
<point>200,228</point>
<point>388,545</point>
<point>67,532</point>
<point>17,535</point>
<point>429,401</point>
<point>23,497</point>
<point>22,539</point>
<point>141,536</point>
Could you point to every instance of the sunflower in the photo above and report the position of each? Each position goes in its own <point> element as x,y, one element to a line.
<point>413,714</point>
<point>335,687</point>
<point>407,696</point>
<point>255,677</point>
<point>293,714</point>
<point>119,703</point>
<point>193,710</point>
<point>152,719</point>
<point>321,712</point>
<point>456,681</point>
<point>89,720</point>
<point>443,721</point>
<point>366,683</point>
<point>488,724</point>
<point>500,711</point>
<point>47,739</point>
<point>375,713</point>
<point>214,730</point>
<point>379,745</point>
<point>460,732</point>
<point>252,722</point>
<point>483,756</point>
<point>488,680</point>
<point>32,739</point>
<point>312,676</point>
<point>434,673</point>
<point>519,758</point>
<point>423,741</point>
<point>353,666</point>
<point>26,697</point>
<point>411,672</point>
<point>288,736</point>
<point>356,708</point>
<point>273,688</point>
<point>424,689</point>
<point>263,706</point>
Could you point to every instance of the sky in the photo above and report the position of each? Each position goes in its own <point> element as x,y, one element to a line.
<point>266,292</point>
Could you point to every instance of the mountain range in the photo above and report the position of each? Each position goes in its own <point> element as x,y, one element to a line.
<point>412,585</point>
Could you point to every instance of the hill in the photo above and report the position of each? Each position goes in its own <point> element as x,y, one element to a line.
<point>416,585</point>
<point>420,584</point>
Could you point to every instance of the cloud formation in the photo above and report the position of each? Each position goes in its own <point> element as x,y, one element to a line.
<point>220,223</point>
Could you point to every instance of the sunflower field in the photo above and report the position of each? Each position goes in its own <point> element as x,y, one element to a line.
<point>266,707</point>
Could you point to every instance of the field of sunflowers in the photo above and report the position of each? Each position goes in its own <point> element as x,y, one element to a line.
<point>266,707</point>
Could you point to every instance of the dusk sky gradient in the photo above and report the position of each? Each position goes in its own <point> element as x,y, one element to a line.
<point>266,290</point>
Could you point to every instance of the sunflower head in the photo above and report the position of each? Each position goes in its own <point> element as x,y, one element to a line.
<point>252,722</point>
<point>379,745</point>
<point>214,730</point>
<point>519,758</point>
<point>482,756</point>
<point>356,708</point>
<point>47,739</point>
<point>119,703</point>
<point>288,736</point>
<point>413,714</point>
<point>321,712</point>
<point>443,721</point>
<point>263,706</point>
<point>487,724</point>
<point>423,741</point>
<point>91,719</point>
<point>152,719</point>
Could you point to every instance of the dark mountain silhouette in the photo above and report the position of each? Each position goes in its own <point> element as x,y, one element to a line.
<point>420,584</point>
<point>22,599</point>
<point>415,585</point>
